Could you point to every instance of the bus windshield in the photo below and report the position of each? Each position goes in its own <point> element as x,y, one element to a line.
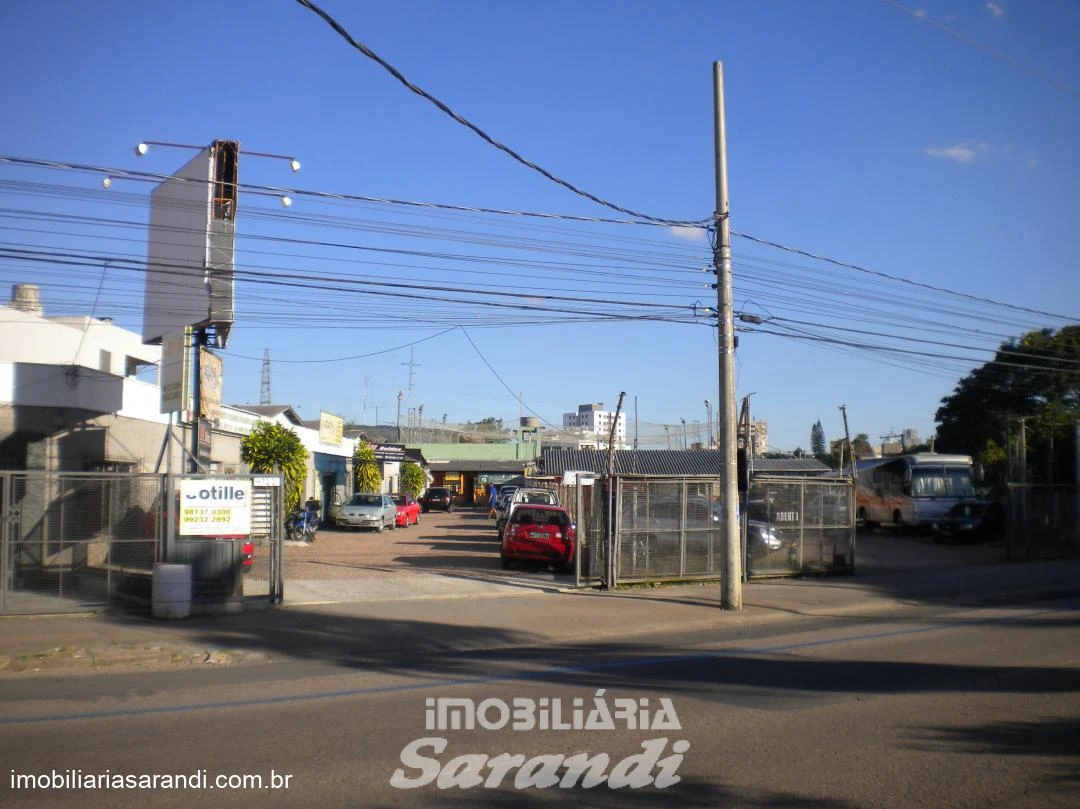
<point>941,481</point>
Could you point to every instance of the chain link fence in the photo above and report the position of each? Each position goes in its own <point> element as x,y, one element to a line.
<point>1043,521</point>
<point>74,541</point>
<point>69,541</point>
<point>794,526</point>
<point>669,529</point>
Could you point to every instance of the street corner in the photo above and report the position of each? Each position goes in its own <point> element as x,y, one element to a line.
<point>74,659</point>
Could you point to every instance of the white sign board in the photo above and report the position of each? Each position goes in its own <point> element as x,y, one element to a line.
<point>174,373</point>
<point>215,507</point>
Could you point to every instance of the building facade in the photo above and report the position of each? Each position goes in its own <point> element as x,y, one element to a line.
<point>593,424</point>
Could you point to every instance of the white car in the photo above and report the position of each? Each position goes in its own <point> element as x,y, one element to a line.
<point>368,510</point>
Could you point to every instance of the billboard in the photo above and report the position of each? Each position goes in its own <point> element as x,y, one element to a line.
<point>175,371</point>
<point>189,264</point>
<point>210,370</point>
<point>330,429</point>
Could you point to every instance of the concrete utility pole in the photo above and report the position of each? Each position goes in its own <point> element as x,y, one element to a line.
<point>847,442</point>
<point>1022,460</point>
<point>731,583</point>
<point>612,562</point>
<point>400,396</point>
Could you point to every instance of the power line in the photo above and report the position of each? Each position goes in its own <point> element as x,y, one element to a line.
<point>477,130</point>
<point>897,278</point>
<point>148,176</point>
<point>922,16</point>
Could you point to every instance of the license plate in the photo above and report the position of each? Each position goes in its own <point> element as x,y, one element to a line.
<point>538,535</point>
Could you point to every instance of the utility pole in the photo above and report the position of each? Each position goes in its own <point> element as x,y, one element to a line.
<point>1022,460</point>
<point>708,423</point>
<point>731,583</point>
<point>612,563</point>
<point>847,443</point>
<point>400,396</point>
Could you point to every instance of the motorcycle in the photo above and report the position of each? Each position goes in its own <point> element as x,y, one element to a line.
<point>302,523</point>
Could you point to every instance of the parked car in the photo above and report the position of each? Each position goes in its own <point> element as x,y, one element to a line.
<point>524,496</point>
<point>437,497</point>
<point>408,510</point>
<point>971,520</point>
<point>368,510</point>
<point>537,533</point>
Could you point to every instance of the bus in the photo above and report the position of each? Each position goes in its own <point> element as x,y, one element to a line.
<point>915,490</point>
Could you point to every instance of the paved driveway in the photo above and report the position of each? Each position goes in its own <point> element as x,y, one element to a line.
<point>444,555</point>
<point>457,555</point>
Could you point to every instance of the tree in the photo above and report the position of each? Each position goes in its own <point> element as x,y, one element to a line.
<point>269,444</point>
<point>366,471</point>
<point>817,440</point>
<point>1035,378</point>
<point>861,446</point>
<point>412,478</point>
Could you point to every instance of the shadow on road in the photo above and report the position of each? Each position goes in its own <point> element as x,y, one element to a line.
<point>1051,738</point>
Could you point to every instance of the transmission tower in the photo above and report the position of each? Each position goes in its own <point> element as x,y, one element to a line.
<point>412,369</point>
<point>264,388</point>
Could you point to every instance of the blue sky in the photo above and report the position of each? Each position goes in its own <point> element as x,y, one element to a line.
<point>856,131</point>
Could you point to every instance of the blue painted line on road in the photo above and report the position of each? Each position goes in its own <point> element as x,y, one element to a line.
<point>541,674</point>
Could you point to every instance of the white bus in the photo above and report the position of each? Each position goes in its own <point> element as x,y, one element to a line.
<point>912,490</point>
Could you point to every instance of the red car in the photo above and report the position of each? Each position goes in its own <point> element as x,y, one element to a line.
<point>408,510</point>
<point>538,533</point>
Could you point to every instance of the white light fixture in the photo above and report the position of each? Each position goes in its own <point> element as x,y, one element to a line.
<point>105,183</point>
<point>286,202</point>
<point>141,149</point>
<point>295,164</point>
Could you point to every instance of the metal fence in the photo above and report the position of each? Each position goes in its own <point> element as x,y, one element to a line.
<point>70,541</point>
<point>75,541</point>
<point>1043,521</point>
<point>585,501</point>
<point>668,529</point>
<point>794,526</point>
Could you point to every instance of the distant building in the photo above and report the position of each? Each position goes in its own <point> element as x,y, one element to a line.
<point>759,437</point>
<point>593,424</point>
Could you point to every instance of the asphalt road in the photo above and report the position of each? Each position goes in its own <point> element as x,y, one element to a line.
<point>926,707</point>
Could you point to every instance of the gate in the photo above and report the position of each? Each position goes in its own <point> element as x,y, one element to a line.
<point>73,541</point>
<point>799,525</point>
<point>670,529</point>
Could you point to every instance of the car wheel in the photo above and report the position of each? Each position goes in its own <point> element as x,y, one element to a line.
<point>504,562</point>
<point>450,509</point>
<point>417,518</point>
<point>380,527</point>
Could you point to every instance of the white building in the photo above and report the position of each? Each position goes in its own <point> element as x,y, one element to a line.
<point>759,437</point>
<point>81,394</point>
<point>593,424</point>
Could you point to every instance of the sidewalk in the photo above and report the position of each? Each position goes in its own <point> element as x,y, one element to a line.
<point>444,621</point>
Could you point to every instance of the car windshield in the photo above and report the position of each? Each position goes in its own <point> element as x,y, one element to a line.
<point>399,499</point>
<point>365,500</point>
<point>438,492</point>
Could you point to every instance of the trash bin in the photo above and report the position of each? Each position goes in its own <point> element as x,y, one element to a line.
<point>171,591</point>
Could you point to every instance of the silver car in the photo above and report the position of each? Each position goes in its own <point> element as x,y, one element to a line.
<point>367,510</point>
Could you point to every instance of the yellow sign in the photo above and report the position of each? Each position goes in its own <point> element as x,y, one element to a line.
<point>330,429</point>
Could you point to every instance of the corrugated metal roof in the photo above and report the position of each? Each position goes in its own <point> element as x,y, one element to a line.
<point>689,463</point>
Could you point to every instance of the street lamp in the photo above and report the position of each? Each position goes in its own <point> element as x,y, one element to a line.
<point>683,432</point>
<point>708,422</point>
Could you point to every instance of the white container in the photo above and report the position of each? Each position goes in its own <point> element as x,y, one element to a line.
<point>171,591</point>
